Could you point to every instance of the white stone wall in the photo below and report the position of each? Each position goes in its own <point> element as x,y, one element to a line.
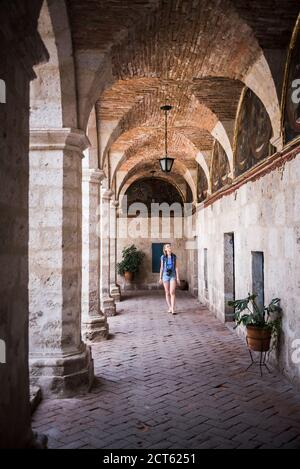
<point>264,216</point>
<point>145,277</point>
<point>192,270</point>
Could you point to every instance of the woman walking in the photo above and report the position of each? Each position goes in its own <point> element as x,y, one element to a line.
<point>169,276</point>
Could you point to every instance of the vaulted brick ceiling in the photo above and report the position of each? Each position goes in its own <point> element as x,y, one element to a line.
<point>190,53</point>
<point>97,24</point>
<point>271,20</point>
<point>151,169</point>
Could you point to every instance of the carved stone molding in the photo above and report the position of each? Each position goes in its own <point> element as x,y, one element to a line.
<point>95,176</point>
<point>59,139</point>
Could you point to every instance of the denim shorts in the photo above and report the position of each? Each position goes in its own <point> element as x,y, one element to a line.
<point>168,278</point>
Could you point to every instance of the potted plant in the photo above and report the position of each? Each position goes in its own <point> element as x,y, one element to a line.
<point>262,324</point>
<point>131,261</point>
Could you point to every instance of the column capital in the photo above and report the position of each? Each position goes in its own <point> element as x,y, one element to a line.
<point>115,204</point>
<point>106,194</point>
<point>92,175</point>
<point>59,139</point>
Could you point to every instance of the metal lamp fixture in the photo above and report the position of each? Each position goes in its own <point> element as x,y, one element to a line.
<point>166,163</point>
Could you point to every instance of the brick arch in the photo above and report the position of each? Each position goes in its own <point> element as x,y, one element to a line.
<point>138,139</point>
<point>150,147</point>
<point>140,102</point>
<point>140,177</point>
<point>150,50</point>
<point>194,136</point>
<point>180,174</point>
<point>138,145</point>
<point>179,168</point>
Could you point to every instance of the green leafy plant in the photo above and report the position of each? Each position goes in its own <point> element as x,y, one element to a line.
<point>248,313</point>
<point>131,260</point>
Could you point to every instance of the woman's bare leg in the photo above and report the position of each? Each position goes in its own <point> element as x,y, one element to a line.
<point>172,293</point>
<point>167,291</point>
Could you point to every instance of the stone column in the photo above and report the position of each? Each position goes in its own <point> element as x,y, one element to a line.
<point>107,302</point>
<point>19,52</point>
<point>60,363</point>
<point>115,290</point>
<point>94,322</point>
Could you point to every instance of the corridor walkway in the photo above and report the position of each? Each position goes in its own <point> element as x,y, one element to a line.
<point>173,382</point>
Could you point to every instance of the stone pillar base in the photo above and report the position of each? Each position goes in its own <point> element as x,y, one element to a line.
<point>108,306</point>
<point>95,329</point>
<point>115,292</point>
<point>63,376</point>
<point>38,441</point>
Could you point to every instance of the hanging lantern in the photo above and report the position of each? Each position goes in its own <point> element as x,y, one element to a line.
<point>166,163</point>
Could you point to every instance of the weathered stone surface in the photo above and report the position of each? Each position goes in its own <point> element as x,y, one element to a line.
<point>35,398</point>
<point>115,290</point>
<point>261,215</point>
<point>59,362</point>
<point>63,375</point>
<point>21,48</point>
<point>94,323</point>
<point>107,302</point>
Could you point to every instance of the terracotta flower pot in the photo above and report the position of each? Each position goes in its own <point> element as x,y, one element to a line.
<point>258,339</point>
<point>128,276</point>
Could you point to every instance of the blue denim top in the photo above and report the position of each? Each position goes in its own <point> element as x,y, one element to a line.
<point>169,263</point>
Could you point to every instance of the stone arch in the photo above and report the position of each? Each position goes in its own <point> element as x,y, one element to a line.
<point>135,174</point>
<point>260,80</point>
<point>91,159</point>
<point>53,93</point>
<point>180,170</point>
<point>165,181</point>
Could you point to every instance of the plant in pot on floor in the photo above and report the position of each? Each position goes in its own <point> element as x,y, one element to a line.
<point>263,325</point>
<point>131,261</point>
